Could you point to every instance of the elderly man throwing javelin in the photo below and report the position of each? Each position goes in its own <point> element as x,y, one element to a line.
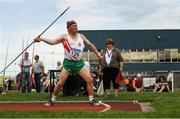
<point>73,43</point>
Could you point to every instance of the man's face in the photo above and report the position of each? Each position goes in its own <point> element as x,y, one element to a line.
<point>73,28</point>
<point>26,55</point>
<point>109,46</point>
<point>36,58</point>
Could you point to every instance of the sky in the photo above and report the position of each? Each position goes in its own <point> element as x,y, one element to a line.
<point>23,20</point>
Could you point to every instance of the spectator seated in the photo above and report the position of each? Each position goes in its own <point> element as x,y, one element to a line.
<point>161,85</point>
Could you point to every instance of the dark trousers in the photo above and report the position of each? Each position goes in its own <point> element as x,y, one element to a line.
<point>26,82</point>
<point>74,85</point>
<point>110,74</point>
<point>37,77</point>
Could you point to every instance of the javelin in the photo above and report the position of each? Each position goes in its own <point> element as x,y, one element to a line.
<point>37,37</point>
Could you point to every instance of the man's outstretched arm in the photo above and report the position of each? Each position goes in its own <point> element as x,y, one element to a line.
<point>57,40</point>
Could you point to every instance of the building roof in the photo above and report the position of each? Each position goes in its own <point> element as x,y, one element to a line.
<point>135,39</point>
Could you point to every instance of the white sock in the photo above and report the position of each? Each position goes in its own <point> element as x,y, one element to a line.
<point>91,97</point>
<point>53,98</point>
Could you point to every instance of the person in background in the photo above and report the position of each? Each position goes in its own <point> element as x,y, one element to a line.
<point>130,83</point>
<point>137,83</point>
<point>161,85</point>
<point>25,65</point>
<point>170,79</point>
<point>87,64</point>
<point>19,81</point>
<point>33,84</point>
<point>45,83</point>
<point>58,65</point>
<point>38,71</point>
<point>58,68</point>
<point>88,67</point>
<point>111,65</point>
<point>126,81</point>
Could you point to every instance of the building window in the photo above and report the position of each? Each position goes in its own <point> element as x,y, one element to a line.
<point>143,56</point>
<point>174,55</point>
<point>150,55</point>
<point>167,53</point>
<point>136,56</point>
<point>140,55</point>
<point>126,55</point>
<point>161,55</point>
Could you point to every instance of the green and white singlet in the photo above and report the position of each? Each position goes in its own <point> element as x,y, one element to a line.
<point>73,48</point>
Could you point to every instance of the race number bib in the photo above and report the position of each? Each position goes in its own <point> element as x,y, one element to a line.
<point>75,52</point>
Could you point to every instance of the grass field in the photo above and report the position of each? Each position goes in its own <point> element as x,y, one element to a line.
<point>167,105</point>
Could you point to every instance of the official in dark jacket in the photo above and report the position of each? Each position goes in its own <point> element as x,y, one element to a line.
<point>111,64</point>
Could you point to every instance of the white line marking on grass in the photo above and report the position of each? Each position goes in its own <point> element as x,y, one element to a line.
<point>62,101</point>
<point>108,107</point>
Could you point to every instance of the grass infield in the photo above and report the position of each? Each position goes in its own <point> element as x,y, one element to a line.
<point>166,105</point>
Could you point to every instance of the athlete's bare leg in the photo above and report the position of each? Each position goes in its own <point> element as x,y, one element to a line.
<point>63,76</point>
<point>85,74</point>
<point>87,77</point>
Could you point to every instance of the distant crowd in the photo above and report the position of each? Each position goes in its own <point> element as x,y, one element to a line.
<point>32,78</point>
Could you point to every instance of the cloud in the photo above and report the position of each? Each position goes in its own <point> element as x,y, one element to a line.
<point>76,5</point>
<point>126,14</point>
<point>135,11</point>
<point>29,21</point>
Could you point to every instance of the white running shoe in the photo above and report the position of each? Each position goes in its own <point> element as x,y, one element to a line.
<point>49,104</point>
<point>94,103</point>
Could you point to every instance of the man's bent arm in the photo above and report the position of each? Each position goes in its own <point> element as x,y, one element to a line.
<point>92,47</point>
